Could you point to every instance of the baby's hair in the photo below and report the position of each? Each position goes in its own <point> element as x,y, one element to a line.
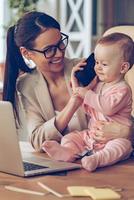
<point>125,43</point>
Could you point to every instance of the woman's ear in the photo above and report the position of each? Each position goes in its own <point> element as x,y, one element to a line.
<point>27,56</point>
<point>125,67</point>
<point>25,53</point>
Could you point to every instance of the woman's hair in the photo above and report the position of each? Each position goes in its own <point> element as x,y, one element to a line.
<point>124,42</point>
<point>24,33</point>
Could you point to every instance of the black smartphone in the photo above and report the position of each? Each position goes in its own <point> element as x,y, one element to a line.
<point>86,75</point>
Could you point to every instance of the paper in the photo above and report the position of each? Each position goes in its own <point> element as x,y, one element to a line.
<point>94,193</point>
<point>102,194</point>
<point>78,190</point>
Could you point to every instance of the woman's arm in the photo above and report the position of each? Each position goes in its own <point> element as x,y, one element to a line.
<point>43,127</point>
<point>63,118</point>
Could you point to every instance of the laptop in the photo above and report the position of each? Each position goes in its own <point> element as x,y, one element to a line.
<point>12,159</point>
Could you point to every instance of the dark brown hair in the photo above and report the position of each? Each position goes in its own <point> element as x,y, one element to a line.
<point>24,33</point>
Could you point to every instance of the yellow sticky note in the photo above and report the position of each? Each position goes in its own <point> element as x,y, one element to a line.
<point>78,190</point>
<point>102,194</point>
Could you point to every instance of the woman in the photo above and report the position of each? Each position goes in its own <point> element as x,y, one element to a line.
<point>45,92</point>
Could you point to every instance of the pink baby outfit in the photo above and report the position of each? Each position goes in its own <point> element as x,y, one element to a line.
<point>108,102</point>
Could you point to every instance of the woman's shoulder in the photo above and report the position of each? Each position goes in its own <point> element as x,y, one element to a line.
<point>27,80</point>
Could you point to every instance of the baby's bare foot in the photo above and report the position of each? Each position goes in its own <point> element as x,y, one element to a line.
<point>57,152</point>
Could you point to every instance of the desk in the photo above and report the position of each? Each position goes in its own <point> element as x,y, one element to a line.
<point>120,175</point>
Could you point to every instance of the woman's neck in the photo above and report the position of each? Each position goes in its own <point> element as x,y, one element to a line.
<point>53,78</point>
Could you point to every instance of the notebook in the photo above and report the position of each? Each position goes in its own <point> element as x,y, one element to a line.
<point>12,159</point>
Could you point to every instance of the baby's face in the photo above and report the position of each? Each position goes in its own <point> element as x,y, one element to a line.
<point>109,62</point>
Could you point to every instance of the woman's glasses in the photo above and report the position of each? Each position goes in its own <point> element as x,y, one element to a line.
<point>50,51</point>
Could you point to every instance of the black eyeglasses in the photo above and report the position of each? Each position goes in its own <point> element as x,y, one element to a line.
<point>50,51</point>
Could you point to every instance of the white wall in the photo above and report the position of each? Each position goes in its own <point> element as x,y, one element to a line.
<point>48,6</point>
<point>4,19</point>
<point>76,20</point>
<point>2,31</point>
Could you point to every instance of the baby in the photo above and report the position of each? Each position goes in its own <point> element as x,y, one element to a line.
<point>107,100</point>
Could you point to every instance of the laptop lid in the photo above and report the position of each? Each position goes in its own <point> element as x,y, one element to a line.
<point>11,158</point>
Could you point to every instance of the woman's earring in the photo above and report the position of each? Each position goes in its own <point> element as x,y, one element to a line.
<point>29,63</point>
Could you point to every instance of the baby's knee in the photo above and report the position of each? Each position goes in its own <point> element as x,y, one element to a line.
<point>121,143</point>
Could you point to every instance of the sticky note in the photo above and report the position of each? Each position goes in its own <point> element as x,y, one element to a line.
<point>102,193</point>
<point>78,190</point>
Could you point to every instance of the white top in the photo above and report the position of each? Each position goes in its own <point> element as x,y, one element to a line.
<point>74,122</point>
<point>1,86</point>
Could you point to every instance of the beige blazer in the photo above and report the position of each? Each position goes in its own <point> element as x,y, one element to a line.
<point>37,103</point>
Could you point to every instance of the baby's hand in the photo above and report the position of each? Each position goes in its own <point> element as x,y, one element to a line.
<point>81,91</point>
<point>76,99</point>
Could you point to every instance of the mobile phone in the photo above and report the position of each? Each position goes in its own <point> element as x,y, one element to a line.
<point>86,75</point>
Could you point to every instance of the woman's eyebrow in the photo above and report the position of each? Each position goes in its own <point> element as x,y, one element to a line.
<point>51,45</point>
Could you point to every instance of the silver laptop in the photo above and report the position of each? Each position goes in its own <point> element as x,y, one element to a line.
<point>12,159</point>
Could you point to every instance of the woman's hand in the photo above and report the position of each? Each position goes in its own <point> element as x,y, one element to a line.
<point>105,131</point>
<point>78,67</point>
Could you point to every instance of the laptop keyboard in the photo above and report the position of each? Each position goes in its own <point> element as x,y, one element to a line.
<point>30,166</point>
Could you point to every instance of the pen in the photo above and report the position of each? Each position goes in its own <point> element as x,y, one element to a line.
<point>57,194</point>
<point>17,189</point>
<point>50,190</point>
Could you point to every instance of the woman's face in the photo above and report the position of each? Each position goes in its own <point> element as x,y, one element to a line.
<point>46,39</point>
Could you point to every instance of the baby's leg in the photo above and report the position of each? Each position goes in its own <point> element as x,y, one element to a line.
<point>114,151</point>
<point>68,149</point>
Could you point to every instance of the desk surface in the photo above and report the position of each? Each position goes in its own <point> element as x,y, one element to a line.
<point>119,176</point>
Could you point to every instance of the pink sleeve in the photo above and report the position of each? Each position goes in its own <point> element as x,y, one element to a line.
<point>110,102</point>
